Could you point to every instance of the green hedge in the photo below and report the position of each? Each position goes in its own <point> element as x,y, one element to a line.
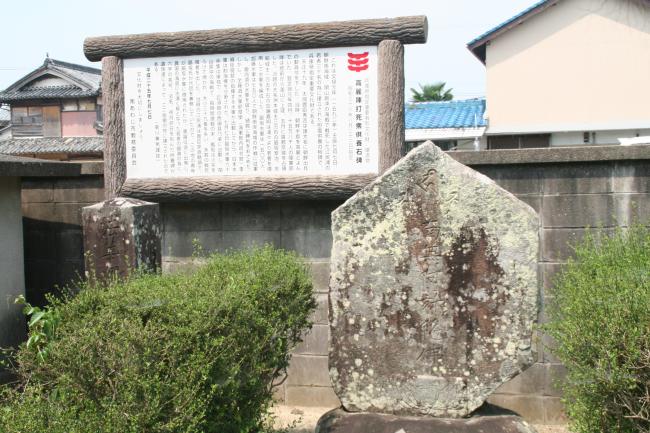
<point>165,353</point>
<point>600,321</point>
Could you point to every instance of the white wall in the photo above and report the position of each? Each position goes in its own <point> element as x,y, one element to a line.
<point>48,81</point>
<point>601,137</point>
<point>581,65</point>
<point>12,274</point>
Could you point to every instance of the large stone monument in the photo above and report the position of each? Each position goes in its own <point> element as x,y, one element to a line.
<point>433,295</point>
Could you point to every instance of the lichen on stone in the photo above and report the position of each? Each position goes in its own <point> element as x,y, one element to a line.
<point>433,289</point>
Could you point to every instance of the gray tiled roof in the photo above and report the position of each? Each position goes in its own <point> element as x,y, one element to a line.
<point>23,146</point>
<point>83,82</point>
<point>85,73</point>
<point>47,92</point>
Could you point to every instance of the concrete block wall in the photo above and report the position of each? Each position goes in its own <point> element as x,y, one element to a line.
<point>12,321</point>
<point>569,197</point>
<point>52,231</point>
<point>302,226</point>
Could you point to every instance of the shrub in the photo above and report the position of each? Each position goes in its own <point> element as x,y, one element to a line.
<point>166,353</point>
<point>600,321</point>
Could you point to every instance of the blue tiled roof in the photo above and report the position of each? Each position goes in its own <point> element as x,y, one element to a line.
<point>479,41</point>
<point>509,21</point>
<point>450,114</point>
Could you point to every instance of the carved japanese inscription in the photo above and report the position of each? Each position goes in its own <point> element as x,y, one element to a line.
<point>433,289</point>
<point>121,235</point>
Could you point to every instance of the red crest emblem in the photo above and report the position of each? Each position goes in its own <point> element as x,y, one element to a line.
<point>358,62</point>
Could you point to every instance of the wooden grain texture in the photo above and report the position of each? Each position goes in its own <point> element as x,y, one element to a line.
<point>407,30</point>
<point>114,139</point>
<point>391,102</point>
<point>241,188</point>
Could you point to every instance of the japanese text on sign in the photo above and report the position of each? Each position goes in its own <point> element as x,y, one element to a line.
<point>301,112</point>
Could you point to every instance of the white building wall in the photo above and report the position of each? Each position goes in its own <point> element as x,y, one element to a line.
<point>580,65</point>
<point>48,81</point>
<point>595,137</point>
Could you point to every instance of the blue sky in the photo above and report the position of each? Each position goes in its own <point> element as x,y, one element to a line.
<point>59,28</point>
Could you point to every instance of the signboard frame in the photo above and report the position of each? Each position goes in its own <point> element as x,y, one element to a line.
<point>388,35</point>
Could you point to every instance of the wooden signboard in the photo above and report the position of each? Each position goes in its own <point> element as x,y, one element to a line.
<point>300,111</point>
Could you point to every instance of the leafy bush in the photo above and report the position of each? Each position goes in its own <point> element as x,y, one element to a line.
<point>600,320</point>
<point>166,353</point>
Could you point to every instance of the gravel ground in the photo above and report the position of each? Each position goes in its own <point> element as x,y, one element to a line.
<point>551,429</point>
<point>303,419</point>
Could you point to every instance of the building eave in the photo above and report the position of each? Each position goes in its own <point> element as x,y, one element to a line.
<point>478,46</point>
<point>47,94</point>
<point>444,134</point>
<point>85,81</point>
<point>48,70</point>
<point>567,127</point>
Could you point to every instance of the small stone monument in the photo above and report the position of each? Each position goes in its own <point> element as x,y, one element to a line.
<point>120,235</point>
<point>433,295</point>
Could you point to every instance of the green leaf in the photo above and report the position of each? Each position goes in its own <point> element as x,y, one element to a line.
<point>36,317</point>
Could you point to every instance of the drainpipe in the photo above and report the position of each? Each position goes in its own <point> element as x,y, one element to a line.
<point>477,141</point>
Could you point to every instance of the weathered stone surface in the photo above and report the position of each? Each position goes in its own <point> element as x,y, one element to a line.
<point>433,289</point>
<point>339,421</point>
<point>121,235</point>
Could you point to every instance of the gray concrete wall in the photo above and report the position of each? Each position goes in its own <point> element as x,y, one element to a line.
<point>51,210</point>
<point>302,226</point>
<point>12,321</point>
<point>569,195</point>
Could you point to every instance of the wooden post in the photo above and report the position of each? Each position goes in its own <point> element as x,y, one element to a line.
<point>390,82</point>
<point>407,30</point>
<point>237,188</point>
<point>388,34</point>
<point>114,139</point>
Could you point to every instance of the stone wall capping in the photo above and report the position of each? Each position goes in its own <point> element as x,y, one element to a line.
<point>17,166</point>
<point>92,168</point>
<point>552,155</point>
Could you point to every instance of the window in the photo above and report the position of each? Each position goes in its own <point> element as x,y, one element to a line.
<point>442,144</point>
<point>528,141</point>
<point>69,105</point>
<point>18,114</point>
<point>86,104</point>
<point>27,115</point>
<point>446,144</point>
<point>39,121</point>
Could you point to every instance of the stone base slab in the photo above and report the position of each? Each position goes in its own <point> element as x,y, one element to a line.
<point>340,421</point>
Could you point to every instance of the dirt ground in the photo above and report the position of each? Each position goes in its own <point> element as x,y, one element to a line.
<point>303,419</point>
